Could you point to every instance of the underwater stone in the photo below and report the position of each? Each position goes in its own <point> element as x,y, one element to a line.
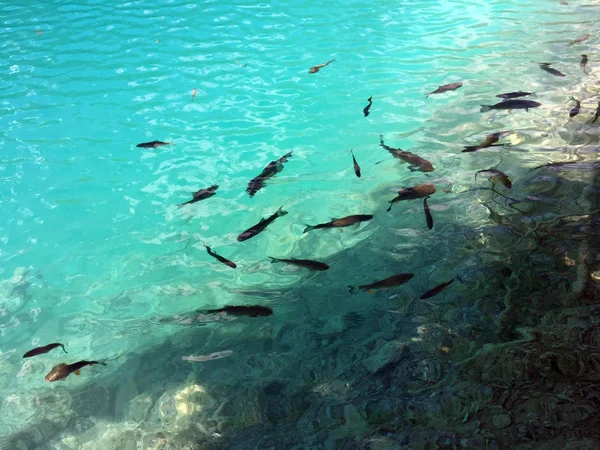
<point>389,354</point>
<point>501,421</point>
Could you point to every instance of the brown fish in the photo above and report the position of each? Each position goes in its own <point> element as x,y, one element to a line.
<point>304,263</point>
<point>356,166</point>
<point>395,280</point>
<point>490,141</point>
<point>250,311</point>
<point>546,67</point>
<point>445,88</point>
<point>585,37</point>
<point>62,371</point>
<point>495,175</point>
<point>261,226</point>
<point>415,162</point>
<point>368,107</point>
<point>219,257</point>
<point>202,194</point>
<point>575,110</point>
<point>411,193</point>
<point>45,349</point>
<point>428,217</point>
<point>152,144</point>
<point>339,223</point>
<point>315,69</point>
<point>272,169</point>
<point>583,63</point>
<point>436,290</point>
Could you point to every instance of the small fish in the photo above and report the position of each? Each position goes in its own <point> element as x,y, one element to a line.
<point>261,226</point>
<point>241,65</point>
<point>39,31</point>
<point>219,257</point>
<point>366,108</point>
<point>575,110</point>
<point>209,357</point>
<point>273,168</point>
<point>583,63</point>
<point>546,67</point>
<point>62,371</point>
<point>152,144</point>
<point>563,2</point>
<point>494,176</point>
<point>490,141</point>
<point>193,94</point>
<point>356,166</point>
<point>45,349</point>
<point>511,104</point>
<point>585,37</point>
<point>597,113</point>
<point>411,193</point>
<point>305,263</point>
<point>436,290</point>
<point>517,94</point>
<point>445,88</point>
<point>339,223</point>
<point>395,280</point>
<point>428,217</point>
<point>315,69</point>
<point>250,311</point>
<point>202,194</point>
<point>415,162</point>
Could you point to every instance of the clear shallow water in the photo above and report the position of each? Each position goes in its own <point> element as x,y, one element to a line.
<point>92,240</point>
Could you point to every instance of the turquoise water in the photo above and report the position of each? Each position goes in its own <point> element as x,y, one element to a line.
<point>94,248</point>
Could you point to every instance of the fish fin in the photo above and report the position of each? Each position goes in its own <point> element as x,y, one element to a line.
<point>485,108</point>
<point>78,372</point>
<point>262,220</point>
<point>63,347</point>
<point>354,289</point>
<point>280,212</point>
<point>273,260</point>
<point>308,228</point>
<point>390,208</point>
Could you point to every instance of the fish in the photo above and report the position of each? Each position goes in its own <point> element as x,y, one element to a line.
<point>511,104</point>
<point>575,110</point>
<point>428,217</point>
<point>395,280</point>
<point>209,357</point>
<point>356,166</point>
<point>585,37</point>
<point>220,258</point>
<point>45,349</point>
<point>490,141</point>
<point>596,114</point>
<point>261,226</point>
<point>202,194</point>
<point>583,63</point>
<point>62,371</point>
<point>273,168</point>
<point>240,64</point>
<point>366,108</point>
<point>304,263</point>
<point>445,88</point>
<point>193,94</point>
<point>339,223</point>
<point>436,290</point>
<point>546,67</point>
<point>415,162</point>
<point>495,175</point>
<point>517,94</point>
<point>411,193</point>
<point>250,311</point>
<point>315,69</point>
<point>152,144</point>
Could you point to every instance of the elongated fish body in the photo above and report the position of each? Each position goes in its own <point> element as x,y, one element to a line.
<point>368,107</point>
<point>202,194</point>
<point>575,110</point>
<point>445,88</point>
<point>583,63</point>
<point>343,222</point>
<point>220,258</point>
<point>304,263</point>
<point>62,371</point>
<point>315,69</point>
<point>261,226</point>
<point>411,193</point>
<point>490,141</point>
<point>356,166</point>
<point>596,114</point>
<point>517,94</point>
<point>512,104</point>
<point>250,311</point>
<point>585,37</point>
<point>428,217</point>
<point>272,169</point>
<point>395,280</point>
<point>152,144</point>
<point>495,175</point>
<point>45,349</point>
<point>415,162</point>
<point>436,290</point>
<point>546,67</point>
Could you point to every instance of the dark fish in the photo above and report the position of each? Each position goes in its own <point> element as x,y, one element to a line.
<point>45,349</point>
<point>152,144</point>
<point>415,162</point>
<point>366,108</point>
<point>511,104</point>
<point>436,290</point>
<point>596,114</point>
<point>490,141</point>
<point>343,222</point>
<point>445,88</point>
<point>305,263</point>
<point>261,226</point>
<point>585,37</point>
<point>411,193</point>
<point>583,63</point>
<point>356,166</point>
<point>62,371</point>
<point>546,67</point>
<point>495,175</point>
<point>202,194</point>
<point>517,94</point>
<point>250,311</point>
<point>315,69</point>
<point>220,258</point>
<point>395,280</point>
<point>273,168</point>
<point>428,217</point>
<point>576,108</point>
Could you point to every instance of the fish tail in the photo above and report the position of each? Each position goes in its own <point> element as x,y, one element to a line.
<point>309,228</point>
<point>370,99</point>
<point>280,212</point>
<point>390,208</point>
<point>63,347</point>
<point>485,108</point>
<point>354,289</point>
<point>273,260</point>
